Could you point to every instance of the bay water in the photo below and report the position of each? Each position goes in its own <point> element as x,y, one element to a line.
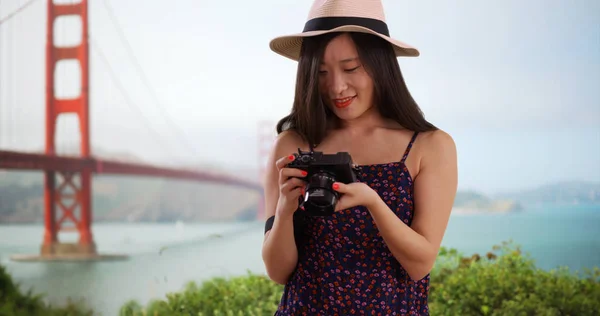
<point>164,257</point>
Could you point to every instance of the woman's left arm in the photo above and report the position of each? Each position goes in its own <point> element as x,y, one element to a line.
<point>416,247</point>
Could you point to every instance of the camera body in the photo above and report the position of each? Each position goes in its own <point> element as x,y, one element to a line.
<point>323,170</point>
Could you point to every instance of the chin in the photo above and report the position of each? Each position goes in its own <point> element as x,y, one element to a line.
<point>346,115</point>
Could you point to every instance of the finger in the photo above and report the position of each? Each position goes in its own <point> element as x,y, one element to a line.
<point>291,185</point>
<point>286,173</point>
<point>283,161</point>
<point>340,187</point>
<point>297,192</point>
<point>294,193</point>
<point>297,182</point>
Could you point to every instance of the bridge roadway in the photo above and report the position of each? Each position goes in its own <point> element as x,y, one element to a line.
<point>31,161</point>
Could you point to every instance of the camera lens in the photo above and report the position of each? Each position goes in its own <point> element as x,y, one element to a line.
<point>321,199</point>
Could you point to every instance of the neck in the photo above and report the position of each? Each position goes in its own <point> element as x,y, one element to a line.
<point>370,120</point>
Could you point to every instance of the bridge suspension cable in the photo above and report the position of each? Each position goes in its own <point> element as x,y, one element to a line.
<point>134,60</point>
<point>124,93</point>
<point>182,139</point>
<point>10,118</point>
<point>17,11</point>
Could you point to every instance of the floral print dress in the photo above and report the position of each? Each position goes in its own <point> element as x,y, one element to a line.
<point>344,266</point>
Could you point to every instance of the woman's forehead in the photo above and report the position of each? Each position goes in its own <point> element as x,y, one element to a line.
<point>340,49</point>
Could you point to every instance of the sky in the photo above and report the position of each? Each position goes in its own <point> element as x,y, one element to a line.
<point>515,83</point>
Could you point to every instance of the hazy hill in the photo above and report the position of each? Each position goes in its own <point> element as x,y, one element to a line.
<point>562,193</point>
<point>471,201</point>
<point>120,198</point>
<point>123,198</point>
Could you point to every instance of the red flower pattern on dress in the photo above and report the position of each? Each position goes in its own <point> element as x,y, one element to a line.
<point>344,266</point>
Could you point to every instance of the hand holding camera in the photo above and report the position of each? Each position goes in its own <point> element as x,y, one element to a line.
<point>321,172</point>
<point>291,186</point>
<point>355,194</point>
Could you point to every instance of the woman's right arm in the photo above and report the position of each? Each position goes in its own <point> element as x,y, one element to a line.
<point>282,190</point>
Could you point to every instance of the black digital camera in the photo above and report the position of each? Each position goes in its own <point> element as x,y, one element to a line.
<point>323,170</point>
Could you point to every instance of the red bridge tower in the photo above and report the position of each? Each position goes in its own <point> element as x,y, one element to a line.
<point>68,191</point>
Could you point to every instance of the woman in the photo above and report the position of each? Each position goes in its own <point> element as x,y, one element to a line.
<point>375,253</point>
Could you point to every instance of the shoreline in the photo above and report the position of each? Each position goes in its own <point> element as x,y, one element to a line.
<point>477,211</point>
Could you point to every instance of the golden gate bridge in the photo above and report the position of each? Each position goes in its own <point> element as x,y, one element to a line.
<point>67,186</point>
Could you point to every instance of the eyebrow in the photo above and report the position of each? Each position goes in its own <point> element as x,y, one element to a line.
<point>346,60</point>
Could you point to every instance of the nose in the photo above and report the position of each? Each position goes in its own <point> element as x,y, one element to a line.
<point>338,84</point>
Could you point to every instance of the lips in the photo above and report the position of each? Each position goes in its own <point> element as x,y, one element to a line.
<point>343,102</point>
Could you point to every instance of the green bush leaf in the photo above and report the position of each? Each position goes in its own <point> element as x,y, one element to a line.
<point>503,282</point>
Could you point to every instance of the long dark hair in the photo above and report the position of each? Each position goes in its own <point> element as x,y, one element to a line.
<point>310,117</point>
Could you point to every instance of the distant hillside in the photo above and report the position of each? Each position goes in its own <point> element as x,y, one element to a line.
<point>119,198</point>
<point>138,199</point>
<point>562,193</point>
<point>135,199</point>
<point>475,202</point>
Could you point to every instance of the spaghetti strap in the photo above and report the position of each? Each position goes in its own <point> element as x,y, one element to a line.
<point>412,140</point>
<point>343,245</point>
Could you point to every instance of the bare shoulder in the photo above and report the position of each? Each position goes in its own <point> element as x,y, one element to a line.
<point>437,144</point>
<point>436,150</point>
<point>288,142</point>
<point>285,144</point>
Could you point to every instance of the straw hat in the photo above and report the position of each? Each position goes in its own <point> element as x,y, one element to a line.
<point>328,16</point>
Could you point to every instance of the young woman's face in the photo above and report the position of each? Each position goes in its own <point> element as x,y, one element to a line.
<point>345,86</point>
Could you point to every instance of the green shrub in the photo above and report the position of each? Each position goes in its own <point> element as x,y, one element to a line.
<point>14,303</point>
<point>510,284</point>
<point>503,282</point>
<point>242,295</point>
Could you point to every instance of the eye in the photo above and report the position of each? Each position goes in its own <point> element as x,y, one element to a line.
<point>352,69</point>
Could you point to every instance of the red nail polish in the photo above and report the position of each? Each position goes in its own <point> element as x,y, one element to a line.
<point>291,157</point>
<point>336,186</point>
<point>304,173</point>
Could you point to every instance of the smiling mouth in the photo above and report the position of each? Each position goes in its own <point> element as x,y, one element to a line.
<point>344,102</point>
